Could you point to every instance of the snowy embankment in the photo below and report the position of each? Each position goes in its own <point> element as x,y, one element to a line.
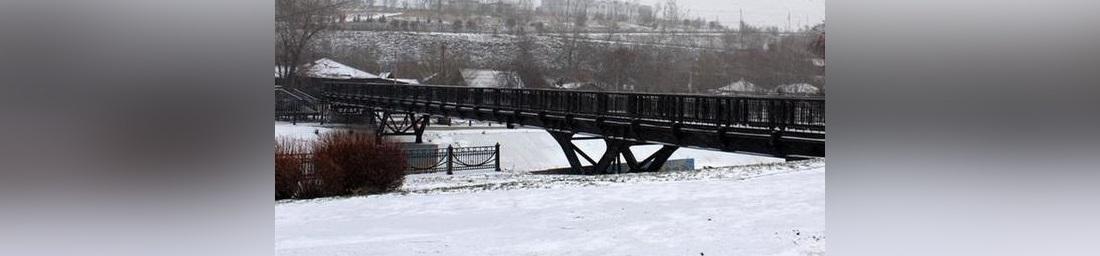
<point>771,210</point>
<point>532,149</point>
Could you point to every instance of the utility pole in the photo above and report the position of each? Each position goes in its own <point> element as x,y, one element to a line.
<point>741,28</point>
<point>443,60</point>
<point>788,20</point>
<point>691,81</point>
<point>396,62</point>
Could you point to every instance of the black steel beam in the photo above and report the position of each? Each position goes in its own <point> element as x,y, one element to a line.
<point>780,127</point>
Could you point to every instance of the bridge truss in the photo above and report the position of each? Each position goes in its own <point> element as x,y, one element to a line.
<point>779,126</point>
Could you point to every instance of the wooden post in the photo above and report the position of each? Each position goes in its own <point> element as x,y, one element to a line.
<point>498,157</point>
<point>450,160</point>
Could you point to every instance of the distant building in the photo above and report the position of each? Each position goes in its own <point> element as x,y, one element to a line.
<point>607,9</point>
<point>313,75</point>
<point>484,6</point>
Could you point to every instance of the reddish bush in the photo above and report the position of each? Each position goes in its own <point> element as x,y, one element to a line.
<point>289,158</point>
<point>349,163</point>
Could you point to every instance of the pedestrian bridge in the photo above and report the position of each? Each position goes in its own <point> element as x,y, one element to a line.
<point>790,127</point>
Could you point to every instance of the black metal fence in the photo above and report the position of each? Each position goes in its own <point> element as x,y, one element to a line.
<point>453,159</point>
<point>292,105</point>
<point>773,112</point>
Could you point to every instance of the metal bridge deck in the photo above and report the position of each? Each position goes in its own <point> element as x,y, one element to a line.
<point>789,127</point>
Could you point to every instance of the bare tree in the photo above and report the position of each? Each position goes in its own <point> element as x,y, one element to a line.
<point>618,67</point>
<point>672,11</point>
<point>526,65</point>
<point>363,56</point>
<point>297,25</point>
<point>708,71</point>
<point>441,64</point>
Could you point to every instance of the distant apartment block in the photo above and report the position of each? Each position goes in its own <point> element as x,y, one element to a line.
<point>598,9</point>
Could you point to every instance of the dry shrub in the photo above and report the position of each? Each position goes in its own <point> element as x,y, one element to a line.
<point>288,167</point>
<point>348,163</point>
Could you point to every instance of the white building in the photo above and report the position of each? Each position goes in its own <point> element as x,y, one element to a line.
<point>607,9</point>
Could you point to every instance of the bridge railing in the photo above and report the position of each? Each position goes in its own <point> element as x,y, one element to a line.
<point>453,159</point>
<point>771,112</point>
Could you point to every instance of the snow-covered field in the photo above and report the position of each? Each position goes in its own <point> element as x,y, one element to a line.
<point>532,149</point>
<point>774,209</point>
<point>768,208</point>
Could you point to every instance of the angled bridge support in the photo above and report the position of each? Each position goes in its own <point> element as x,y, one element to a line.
<point>610,162</point>
<point>399,124</point>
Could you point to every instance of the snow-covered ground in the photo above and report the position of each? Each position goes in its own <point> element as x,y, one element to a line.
<point>773,209</point>
<point>531,149</point>
<point>767,208</point>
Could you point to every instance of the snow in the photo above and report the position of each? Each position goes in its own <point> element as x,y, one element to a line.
<point>530,149</point>
<point>819,62</point>
<point>802,88</point>
<point>770,207</point>
<point>486,78</point>
<point>404,80</point>
<point>572,86</point>
<point>766,210</point>
<point>364,16</point>
<point>535,149</point>
<point>739,86</point>
<point>302,131</point>
<point>327,68</point>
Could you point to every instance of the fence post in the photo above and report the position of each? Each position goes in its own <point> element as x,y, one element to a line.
<point>450,159</point>
<point>498,157</point>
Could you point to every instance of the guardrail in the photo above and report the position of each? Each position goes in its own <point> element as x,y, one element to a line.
<point>802,113</point>
<point>453,159</point>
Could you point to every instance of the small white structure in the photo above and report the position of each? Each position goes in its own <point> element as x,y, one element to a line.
<point>800,88</point>
<point>406,81</point>
<point>572,86</point>
<point>486,78</point>
<point>818,62</point>
<point>741,86</point>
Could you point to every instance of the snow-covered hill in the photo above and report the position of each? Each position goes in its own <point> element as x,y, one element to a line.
<point>498,50</point>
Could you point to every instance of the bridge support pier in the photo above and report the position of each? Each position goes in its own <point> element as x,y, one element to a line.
<point>399,124</point>
<point>607,163</point>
